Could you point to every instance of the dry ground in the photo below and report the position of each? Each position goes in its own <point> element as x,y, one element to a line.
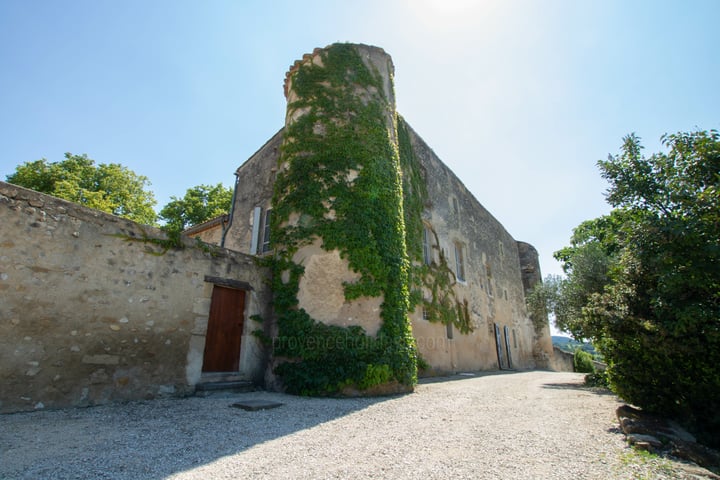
<point>529,425</point>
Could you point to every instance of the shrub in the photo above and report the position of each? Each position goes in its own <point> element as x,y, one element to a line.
<point>583,361</point>
<point>597,379</point>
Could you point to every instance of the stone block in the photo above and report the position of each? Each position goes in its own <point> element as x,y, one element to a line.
<point>201,306</point>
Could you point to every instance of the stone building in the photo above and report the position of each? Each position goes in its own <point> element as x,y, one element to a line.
<point>467,276</point>
<point>354,259</point>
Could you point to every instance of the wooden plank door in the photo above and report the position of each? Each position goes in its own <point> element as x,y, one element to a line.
<point>224,332</point>
<point>499,346</point>
<point>507,347</point>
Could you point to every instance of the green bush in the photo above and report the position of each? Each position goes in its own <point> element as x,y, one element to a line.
<point>583,361</point>
<point>375,375</point>
<point>597,379</point>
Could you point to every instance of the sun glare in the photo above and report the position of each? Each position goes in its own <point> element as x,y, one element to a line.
<point>450,14</point>
<point>449,7</point>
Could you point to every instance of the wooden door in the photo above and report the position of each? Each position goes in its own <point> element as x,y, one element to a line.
<point>224,332</point>
<point>507,347</point>
<point>499,346</point>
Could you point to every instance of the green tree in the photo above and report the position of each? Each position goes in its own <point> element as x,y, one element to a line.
<point>111,187</point>
<point>199,204</point>
<point>649,293</point>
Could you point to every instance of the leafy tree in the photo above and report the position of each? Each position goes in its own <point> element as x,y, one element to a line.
<point>111,187</point>
<point>644,282</point>
<point>199,204</point>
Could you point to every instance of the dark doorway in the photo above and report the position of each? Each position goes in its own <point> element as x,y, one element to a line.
<point>499,346</point>
<point>507,346</point>
<point>224,332</point>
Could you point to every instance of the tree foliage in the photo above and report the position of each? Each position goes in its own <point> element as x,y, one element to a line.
<point>200,203</point>
<point>644,281</point>
<point>109,187</point>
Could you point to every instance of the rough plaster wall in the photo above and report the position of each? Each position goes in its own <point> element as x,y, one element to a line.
<point>88,316</point>
<point>488,245</point>
<point>212,235</point>
<point>322,295</point>
<point>320,291</point>
<point>562,361</point>
<point>256,178</point>
<point>530,268</point>
<point>473,225</point>
<point>499,298</point>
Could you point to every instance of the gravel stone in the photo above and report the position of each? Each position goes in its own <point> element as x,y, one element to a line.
<point>526,425</point>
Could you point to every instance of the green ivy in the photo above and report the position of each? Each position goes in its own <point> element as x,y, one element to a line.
<point>437,278</point>
<point>348,183</point>
<point>340,172</point>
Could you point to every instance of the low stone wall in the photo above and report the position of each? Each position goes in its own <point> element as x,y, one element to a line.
<point>562,361</point>
<point>93,308</point>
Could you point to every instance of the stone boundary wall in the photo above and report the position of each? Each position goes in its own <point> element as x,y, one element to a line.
<point>562,361</point>
<point>93,310</point>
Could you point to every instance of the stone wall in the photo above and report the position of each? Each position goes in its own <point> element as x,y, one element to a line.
<point>494,279</point>
<point>92,310</point>
<point>499,270</point>
<point>254,190</point>
<point>531,276</point>
<point>562,361</point>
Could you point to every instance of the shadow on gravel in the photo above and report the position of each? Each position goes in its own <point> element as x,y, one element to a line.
<point>155,439</point>
<point>578,386</point>
<point>464,376</point>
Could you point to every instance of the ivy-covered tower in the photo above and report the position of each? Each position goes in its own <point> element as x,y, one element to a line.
<point>341,278</point>
<point>382,259</point>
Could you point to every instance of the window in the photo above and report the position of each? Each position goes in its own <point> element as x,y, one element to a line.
<point>459,262</point>
<point>449,331</point>
<point>425,314</point>
<point>255,239</point>
<point>488,273</point>
<point>266,232</point>
<point>427,246</point>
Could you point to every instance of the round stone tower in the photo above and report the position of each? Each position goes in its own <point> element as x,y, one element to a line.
<point>531,276</point>
<point>337,206</point>
<point>375,60</point>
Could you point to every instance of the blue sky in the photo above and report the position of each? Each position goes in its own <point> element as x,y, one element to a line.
<point>520,98</point>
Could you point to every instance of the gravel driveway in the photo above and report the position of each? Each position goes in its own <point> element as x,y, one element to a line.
<point>529,425</point>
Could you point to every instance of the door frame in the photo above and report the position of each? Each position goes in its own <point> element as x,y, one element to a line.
<point>214,359</point>
<point>499,347</point>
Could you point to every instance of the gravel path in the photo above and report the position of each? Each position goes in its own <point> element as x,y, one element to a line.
<point>530,425</point>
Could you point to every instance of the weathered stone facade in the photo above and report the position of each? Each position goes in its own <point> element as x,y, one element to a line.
<point>492,272</point>
<point>493,280</point>
<point>93,308</point>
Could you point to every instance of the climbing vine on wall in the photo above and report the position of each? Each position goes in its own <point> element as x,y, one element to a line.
<point>441,303</point>
<point>339,181</point>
